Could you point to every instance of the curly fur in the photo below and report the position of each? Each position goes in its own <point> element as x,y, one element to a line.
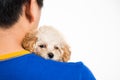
<point>48,43</point>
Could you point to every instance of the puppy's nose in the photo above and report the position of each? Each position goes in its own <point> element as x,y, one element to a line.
<point>50,55</point>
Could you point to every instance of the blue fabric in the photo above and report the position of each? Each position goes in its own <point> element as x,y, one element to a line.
<point>33,67</point>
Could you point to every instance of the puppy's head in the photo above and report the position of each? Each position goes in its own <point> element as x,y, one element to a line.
<point>51,45</point>
<point>48,43</point>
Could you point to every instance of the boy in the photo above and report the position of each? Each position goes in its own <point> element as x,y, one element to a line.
<point>18,17</point>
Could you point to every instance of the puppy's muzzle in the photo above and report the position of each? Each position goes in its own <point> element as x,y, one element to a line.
<point>50,55</point>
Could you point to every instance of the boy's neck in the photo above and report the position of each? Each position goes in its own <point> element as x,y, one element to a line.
<point>8,45</point>
<point>10,41</point>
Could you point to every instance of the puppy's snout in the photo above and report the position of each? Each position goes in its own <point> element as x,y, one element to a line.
<point>50,55</point>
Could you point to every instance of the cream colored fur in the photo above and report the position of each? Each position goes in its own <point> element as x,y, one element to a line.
<point>48,41</point>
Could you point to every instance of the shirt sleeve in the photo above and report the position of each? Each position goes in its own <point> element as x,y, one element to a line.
<point>85,73</point>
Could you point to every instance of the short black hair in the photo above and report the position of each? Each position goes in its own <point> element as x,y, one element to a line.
<point>10,11</point>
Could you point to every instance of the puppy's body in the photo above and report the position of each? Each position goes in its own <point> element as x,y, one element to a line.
<point>48,43</point>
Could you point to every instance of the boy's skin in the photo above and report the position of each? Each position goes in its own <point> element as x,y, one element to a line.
<point>10,39</point>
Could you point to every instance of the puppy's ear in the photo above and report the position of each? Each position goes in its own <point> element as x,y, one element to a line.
<point>66,53</point>
<point>28,42</point>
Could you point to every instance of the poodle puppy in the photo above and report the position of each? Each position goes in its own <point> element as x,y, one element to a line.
<point>48,43</point>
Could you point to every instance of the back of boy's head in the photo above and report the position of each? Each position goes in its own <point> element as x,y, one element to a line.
<point>10,11</point>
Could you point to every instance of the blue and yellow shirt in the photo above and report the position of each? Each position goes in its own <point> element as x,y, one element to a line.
<point>24,65</point>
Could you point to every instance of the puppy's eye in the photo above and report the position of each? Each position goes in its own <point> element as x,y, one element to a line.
<point>56,47</point>
<point>42,46</point>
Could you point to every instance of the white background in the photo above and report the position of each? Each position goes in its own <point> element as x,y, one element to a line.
<point>92,29</point>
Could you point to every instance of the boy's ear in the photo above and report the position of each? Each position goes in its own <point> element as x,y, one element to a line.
<point>29,11</point>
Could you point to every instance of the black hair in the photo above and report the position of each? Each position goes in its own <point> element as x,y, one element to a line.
<point>10,11</point>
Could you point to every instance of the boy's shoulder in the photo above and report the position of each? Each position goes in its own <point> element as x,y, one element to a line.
<point>33,67</point>
<point>72,70</point>
<point>33,58</point>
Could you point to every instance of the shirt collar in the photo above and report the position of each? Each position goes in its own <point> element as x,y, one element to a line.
<point>13,55</point>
